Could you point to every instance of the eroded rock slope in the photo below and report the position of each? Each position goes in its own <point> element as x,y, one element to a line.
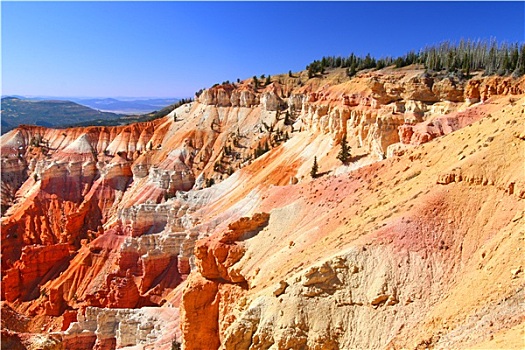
<point>205,227</point>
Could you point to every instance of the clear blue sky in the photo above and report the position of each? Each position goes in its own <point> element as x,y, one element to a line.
<point>172,49</point>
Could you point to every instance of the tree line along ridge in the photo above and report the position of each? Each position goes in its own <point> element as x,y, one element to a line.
<point>465,56</point>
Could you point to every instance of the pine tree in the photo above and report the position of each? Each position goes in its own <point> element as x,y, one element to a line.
<point>311,73</point>
<point>520,65</point>
<point>315,168</point>
<point>352,70</point>
<point>287,118</point>
<point>344,153</point>
<point>514,57</point>
<point>466,65</point>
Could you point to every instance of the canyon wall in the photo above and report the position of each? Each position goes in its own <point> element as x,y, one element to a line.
<point>108,231</point>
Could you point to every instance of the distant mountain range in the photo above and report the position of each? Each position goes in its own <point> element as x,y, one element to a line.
<point>17,110</point>
<point>115,105</point>
<point>49,113</point>
<point>126,106</point>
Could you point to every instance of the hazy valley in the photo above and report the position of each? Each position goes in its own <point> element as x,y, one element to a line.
<point>64,112</point>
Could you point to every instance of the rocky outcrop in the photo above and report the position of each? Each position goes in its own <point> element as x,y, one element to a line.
<point>419,133</point>
<point>200,305</point>
<point>295,102</point>
<point>511,188</point>
<point>14,174</point>
<point>416,97</point>
<point>220,95</point>
<point>14,168</point>
<point>478,90</point>
<point>443,119</point>
<point>448,89</point>
<point>139,220</point>
<point>144,218</point>
<point>248,99</point>
<point>419,88</point>
<point>215,260</point>
<point>75,185</point>
<point>36,265</point>
<point>316,291</point>
<point>110,329</point>
<point>394,104</point>
<point>270,101</point>
<point>383,92</point>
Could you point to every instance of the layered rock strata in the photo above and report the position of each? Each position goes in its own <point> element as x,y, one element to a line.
<point>212,209</point>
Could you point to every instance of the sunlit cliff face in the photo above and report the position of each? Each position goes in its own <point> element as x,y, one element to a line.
<point>208,230</point>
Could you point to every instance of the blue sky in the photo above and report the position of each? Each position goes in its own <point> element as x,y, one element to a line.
<point>172,49</point>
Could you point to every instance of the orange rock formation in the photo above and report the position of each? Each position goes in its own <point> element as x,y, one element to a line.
<point>205,228</point>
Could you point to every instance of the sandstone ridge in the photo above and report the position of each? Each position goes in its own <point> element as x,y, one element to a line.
<point>208,220</point>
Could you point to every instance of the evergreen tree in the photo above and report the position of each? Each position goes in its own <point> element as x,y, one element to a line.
<point>505,66</point>
<point>514,57</point>
<point>266,146</point>
<point>315,168</point>
<point>255,82</point>
<point>311,73</point>
<point>287,118</point>
<point>520,65</point>
<point>352,70</point>
<point>466,64</point>
<point>344,153</point>
<point>258,151</point>
<point>399,62</point>
<point>209,182</point>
